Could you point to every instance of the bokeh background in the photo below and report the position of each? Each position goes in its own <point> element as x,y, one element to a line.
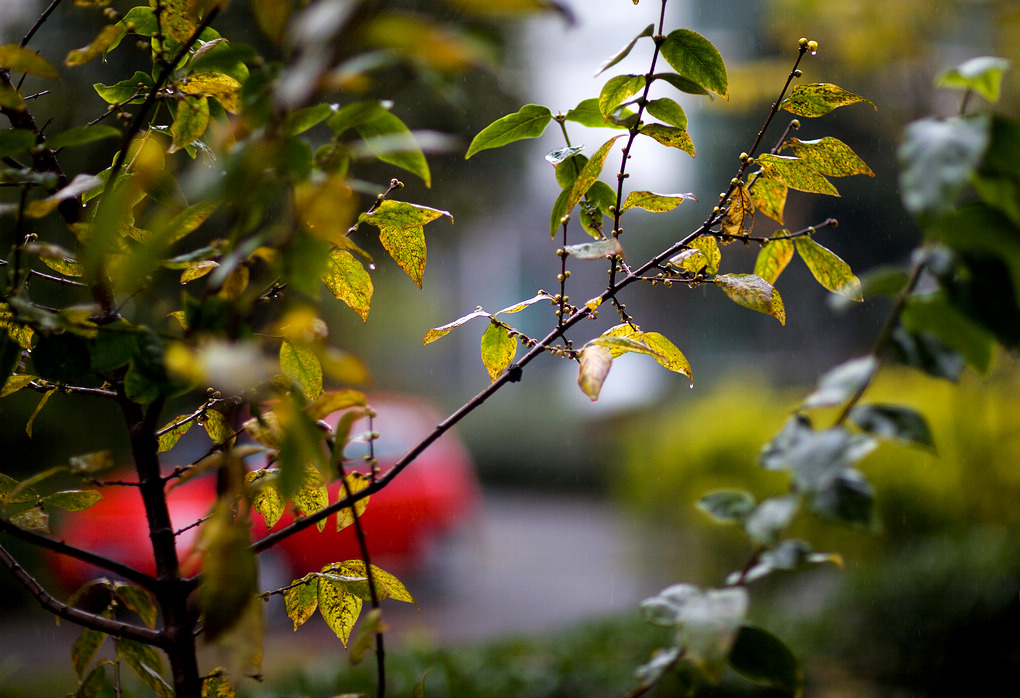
<point>591,506</point>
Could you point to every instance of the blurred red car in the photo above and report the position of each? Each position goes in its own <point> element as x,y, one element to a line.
<point>406,523</point>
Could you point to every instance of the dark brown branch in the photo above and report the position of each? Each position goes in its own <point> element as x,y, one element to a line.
<point>39,22</point>
<point>76,615</point>
<point>118,568</point>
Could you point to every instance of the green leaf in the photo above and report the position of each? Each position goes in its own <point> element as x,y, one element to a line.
<point>498,350</point>
<point>617,90</point>
<point>72,500</point>
<point>728,505</point>
<point>171,432</point>
<point>84,649</point>
<point>773,258</point>
<point>753,292</point>
<point>818,99</point>
<point>667,354</point>
<point>139,601</point>
<point>302,367</point>
<point>559,214</point>
<point>893,422</point>
<point>694,57</point>
<point>681,83</point>
<point>936,159</point>
<point>347,279</point>
<point>18,59</point>
<point>302,599</point>
<point>443,330</point>
<point>339,608</point>
<point>81,135</point>
<point>828,269</point>
<point>762,657</point>
<point>769,197</point>
<point>982,74</point>
<point>669,111</point>
<point>587,114</point>
<point>108,38</point>
<point>146,662</point>
<point>401,231</point>
<point>596,250</point>
<point>92,684</point>
<point>125,91</point>
<point>389,139</point>
<point>228,583</point>
<point>669,136</point>
<point>304,119</point>
<point>625,51</point>
<point>795,173</point>
<point>830,156</point>
<point>595,364</point>
<point>840,383</point>
<point>589,174</point>
<point>15,140</point>
<point>657,203</point>
<point>528,122</point>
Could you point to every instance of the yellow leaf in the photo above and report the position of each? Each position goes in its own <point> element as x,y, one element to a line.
<point>328,403</point>
<point>753,292</point>
<point>191,119</point>
<point>266,499</point>
<point>774,257</point>
<point>355,482</point>
<point>347,279</point>
<point>829,270</point>
<point>498,350</point>
<point>339,608</point>
<point>272,16</point>
<point>312,495</point>
<point>327,208</point>
<point>109,34</point>
<point>595,364</point>
<point>176,428</point>
<point>401,231</point>
<point>178,20</point>
<point>302,598</point>
<point>220,86</point>
<point>769,197</point>
<point>18,59</point>
<point>668,355</point>
<point>15,383</point>
<point>739,218</point>
<point>302,367</point>
<point>709,249</point>
<point>670,136</point>
<point>589,174</point>
<point>796,174</point>
<point>198,270</point>
<point>38,408</point>
<point>830,156</point>
<point>218,429</point>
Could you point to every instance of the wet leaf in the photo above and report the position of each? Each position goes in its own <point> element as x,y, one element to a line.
<point>818,99</point>
<point>894,422</point>
<point>795,174</point>
<point>753,292</point>
<point>528,122</point>
<point>657,203</point>
<point>443,330</point>
<point>347,279</point>
<point>773,258</point>
<point>982,74</point>
<point>617,90</point>
<point>828,269</point>
<point>769,197</point>
<point>667,354</point>
<point>830,156</point>
<point>302,599</point>
<point>401,231</point>
<point>762,657</point>
<point>190,121</point>
<point>695,58</point>
<point>498,350</point>
<point>18,59</point>
<point>625,51</point>
<point>840,383</point>
<point>595,364</point>
<point>670,136</point>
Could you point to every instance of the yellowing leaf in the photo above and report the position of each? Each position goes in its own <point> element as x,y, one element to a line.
<point>190,121</point>
<point>668,355</point>
<point>218,429</point>
<point>796,174</point>
<point>266,499</point>
<point>328,403</point>
<point>355,482</point>
<point>401,231</point>
<point>656,203</point>
<point>443,330</point>
<point>596,361</point>
<point>109,34</point>
<point>818,99</point>
<point>301,599</point>
<point>327,208</point>
<point>197,271</point>
<point>347,279</point>
<point>498,349</point>
<point>272,16</point>
<point>753,292</point>
<point>228,582</point>
<point>302,367</point>
<point>387,585</point>
<point>830,156</point>
<point>596,250</point>
<point>773,258</point>
<point>178,19</point>
<point>174,430</point>
<point>828,269</point>
<point>220,86</point>
<point>38,408</point>
<point>15,383</point>
<point>72,500</point>
<point>10,98</point>
<point>709,248</point>
<point>517,307</point>
<point>617,90</point>
<point>312,495</point>
<point>588,174</point>
<point>739,218</point>
<point>339,608</point>
<point>670,136</point>
<point>18,59</point>
<point>769,197</point>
